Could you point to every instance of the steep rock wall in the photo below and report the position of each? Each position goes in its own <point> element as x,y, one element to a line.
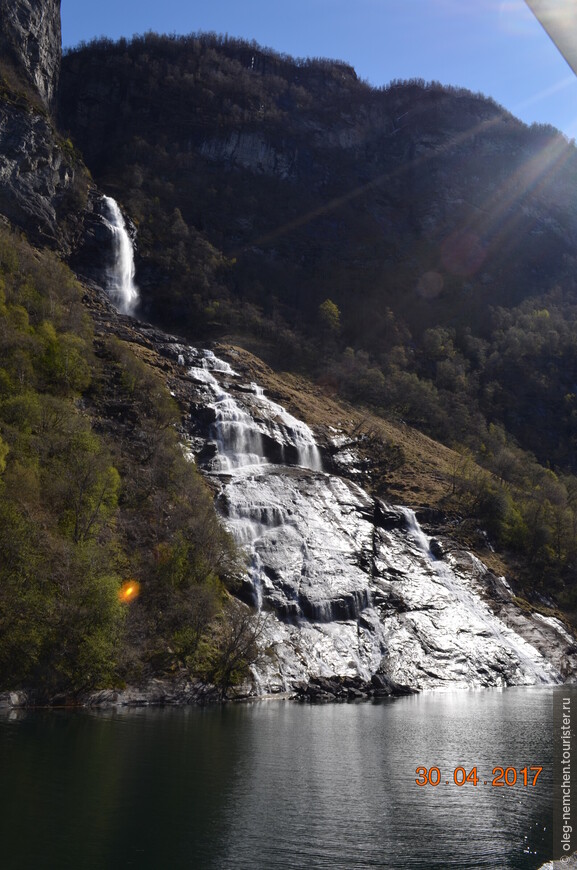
<point>36,176</point>
<point>43,183</point>
<point>30,37</point>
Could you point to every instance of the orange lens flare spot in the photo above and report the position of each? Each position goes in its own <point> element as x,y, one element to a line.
<point>129,591</point>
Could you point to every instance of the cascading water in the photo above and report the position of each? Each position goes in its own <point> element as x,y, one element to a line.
<point>120,285</point>
<point>240,437</point>
<point>415,531</point>
<point>346,595</point>
<point>480,619</point>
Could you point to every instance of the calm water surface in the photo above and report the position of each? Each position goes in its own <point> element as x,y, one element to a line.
<point>278,785</point>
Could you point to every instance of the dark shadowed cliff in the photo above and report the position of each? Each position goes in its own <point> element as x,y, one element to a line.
<point>412,246</point>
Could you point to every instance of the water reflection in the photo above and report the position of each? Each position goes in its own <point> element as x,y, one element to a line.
<point>279,786</point>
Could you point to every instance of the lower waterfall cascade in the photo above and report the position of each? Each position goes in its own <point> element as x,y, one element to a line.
<point>347,584</point>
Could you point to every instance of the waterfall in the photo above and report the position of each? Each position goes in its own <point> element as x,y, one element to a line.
<point>240,437</point>
<point>415,531</point>
<point>121,286</point>
<point>239,441</point>
<point>530,666</point>
<point>343,595</point>
<point>301,436</point>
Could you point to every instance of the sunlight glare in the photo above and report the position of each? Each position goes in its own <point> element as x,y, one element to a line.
<point>515,19</point>
<point>566,82</point>
<point>128,591</point>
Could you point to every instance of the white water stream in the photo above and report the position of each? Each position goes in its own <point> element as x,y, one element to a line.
<point>242,436</point>
<point>349,584</point>
<point>345,593</point>
<point>478,612</point>
<point>120,284</point>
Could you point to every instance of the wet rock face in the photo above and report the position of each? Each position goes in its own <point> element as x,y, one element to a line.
<point>356,600</point>
<point>350,587</point>
<point>95,256</point>
<point>30,36</point>
<point>92,254</point>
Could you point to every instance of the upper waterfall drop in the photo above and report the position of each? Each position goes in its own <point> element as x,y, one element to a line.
<point>121,286</point>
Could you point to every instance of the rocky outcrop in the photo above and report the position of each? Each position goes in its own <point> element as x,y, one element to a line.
<point>30,37</point>
<point>177,691</point>
<point>251,151</point>
<point>13,700</point>
<point>323,689</point>
<point>155,693</point>
<point>39,180</point>
<point>43,183</point>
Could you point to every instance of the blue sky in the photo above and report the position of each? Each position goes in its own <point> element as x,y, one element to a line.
<point>492,46</point>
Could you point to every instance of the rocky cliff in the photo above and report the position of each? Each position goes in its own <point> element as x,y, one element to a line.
<point>40,181</point>
<point>263,185</point>
<point>351,586</point>
<point>30,38</point>
<point>43,183</point>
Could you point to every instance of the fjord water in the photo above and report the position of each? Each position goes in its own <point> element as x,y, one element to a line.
<point>279,785</point>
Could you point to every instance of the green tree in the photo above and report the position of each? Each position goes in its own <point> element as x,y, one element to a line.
<point>329,317</point>
<point>83,485</point>
<point>234,645</point>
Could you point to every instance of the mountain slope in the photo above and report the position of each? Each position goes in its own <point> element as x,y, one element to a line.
<point>323,184</point>
<point>265,188</point>
<point>313,218</point>
<point>411,249</point>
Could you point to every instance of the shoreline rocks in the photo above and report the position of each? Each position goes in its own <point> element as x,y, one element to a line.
<point>336,688</point>
<point>182,693</point>
<point>13,700</point>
